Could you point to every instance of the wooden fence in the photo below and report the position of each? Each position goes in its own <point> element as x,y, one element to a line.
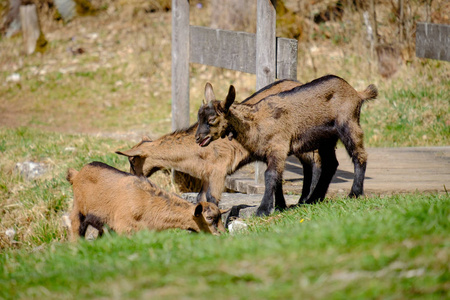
<point>262,54</point>
<point>433,41</point>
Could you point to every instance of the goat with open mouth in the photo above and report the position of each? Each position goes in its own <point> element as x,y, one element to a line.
<point>309,117</point>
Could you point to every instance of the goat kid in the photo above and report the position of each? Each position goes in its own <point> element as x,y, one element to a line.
<point>128,203</point>
<point>178,150</point>
<point>309,117</point>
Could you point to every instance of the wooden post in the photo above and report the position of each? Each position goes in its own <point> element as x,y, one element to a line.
<point>265,56</point>
<point>261,53</point>
<point>30,27</point>
<point>265,43</point>
<point>180,64</point>
<point>287,50</point>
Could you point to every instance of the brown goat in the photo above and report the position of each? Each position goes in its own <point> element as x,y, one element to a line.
<point>127,203</point>
<point>179,150</point>
<point>306,118</point>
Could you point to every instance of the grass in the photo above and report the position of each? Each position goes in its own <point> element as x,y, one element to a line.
<point>33,208</point>
<point>388,247</point>
<point>64,107</point>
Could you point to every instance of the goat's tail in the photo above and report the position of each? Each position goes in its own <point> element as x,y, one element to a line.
<point>371,92</point>
<point>71,173</point>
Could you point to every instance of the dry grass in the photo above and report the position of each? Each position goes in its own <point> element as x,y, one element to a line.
<point>121,81</point>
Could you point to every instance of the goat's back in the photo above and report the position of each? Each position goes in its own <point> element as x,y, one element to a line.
<point>100,189</point>
<point>302,116</point>
<point>318,102</point>
<point>272,89</point>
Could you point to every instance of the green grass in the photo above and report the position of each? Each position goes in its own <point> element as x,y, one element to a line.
<point>390,248</point>
<point>33,208</point>
<point>414,113</point>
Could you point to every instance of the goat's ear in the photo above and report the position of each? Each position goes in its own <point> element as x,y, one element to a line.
<point>146,138</point>
<point>130,153</point>
<point>224,211</point>
<point>209,93</point>
<point>230,98</point>
<point>198,210</point>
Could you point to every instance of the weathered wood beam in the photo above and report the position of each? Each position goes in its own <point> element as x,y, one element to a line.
<point>287,51</point>
<point>266,70</point>
<point>227,49</point>
<point>433,41</point>
<point>236,50</point>
<point>265,43</point>
<point>180,64</point>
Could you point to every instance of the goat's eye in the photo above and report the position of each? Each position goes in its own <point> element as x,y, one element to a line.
<point>213,121</point>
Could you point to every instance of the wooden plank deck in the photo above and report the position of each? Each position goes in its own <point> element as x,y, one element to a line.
<point>389,171</point>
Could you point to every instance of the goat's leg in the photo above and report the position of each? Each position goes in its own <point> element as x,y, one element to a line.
<point>74,224</point>
<point>280,202</point>
<point>202,196</point>
<point>358,181</point>
<point>328,165</point>
<point>351,135</point>
<point>272,177</point>
<point>211,198</point>
<point>216,185</point>
<point>310,176</point>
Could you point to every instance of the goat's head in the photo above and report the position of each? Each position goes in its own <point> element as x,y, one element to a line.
<point>139,165</point>
<point>208,217</point>
<point>212,123</point>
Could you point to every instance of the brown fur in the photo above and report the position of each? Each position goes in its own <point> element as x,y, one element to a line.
<point>128,203</point>
<point>179,150</point>
<point>306,118</point>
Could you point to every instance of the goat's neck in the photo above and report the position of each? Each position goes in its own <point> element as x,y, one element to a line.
<point>176,213</point>
<point>241,120</point>
<point>183,220</point>
<point>171,151</point>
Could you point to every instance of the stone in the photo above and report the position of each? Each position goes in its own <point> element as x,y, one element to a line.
<point>31,170</point>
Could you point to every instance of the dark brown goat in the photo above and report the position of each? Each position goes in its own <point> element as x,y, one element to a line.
<point>127,203</point>
<point>178,150</point>
<point>306,118</point>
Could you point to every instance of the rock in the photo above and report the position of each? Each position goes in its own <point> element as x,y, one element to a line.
<point>31,170</point>
<point>91,233</point>
<point>237,226</point>
<point>66,8</point>
<point>11,234</point>
<point>14,77</point>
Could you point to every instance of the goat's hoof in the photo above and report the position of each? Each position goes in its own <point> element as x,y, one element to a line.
<point>262,212</point>
<point>296,205</point>
<point>354,195</point>
<point>280,208</point>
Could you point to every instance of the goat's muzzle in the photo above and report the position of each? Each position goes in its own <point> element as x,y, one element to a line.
<point>203,141</point>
